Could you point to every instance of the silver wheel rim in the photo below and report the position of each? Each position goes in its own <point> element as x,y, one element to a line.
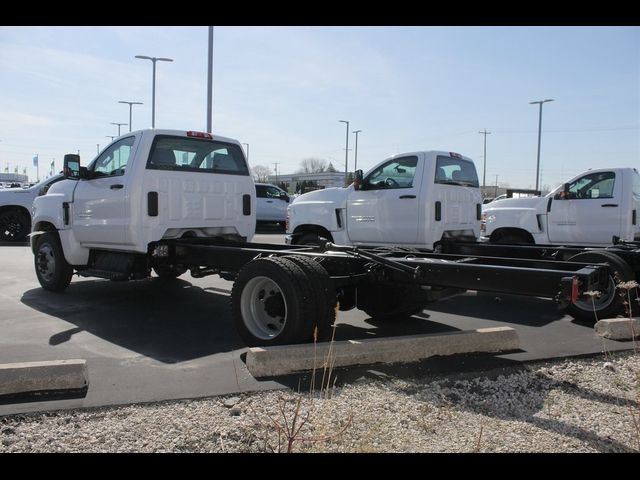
<point>606,298</point>
<point>46,262</point>
<point>257,299</point>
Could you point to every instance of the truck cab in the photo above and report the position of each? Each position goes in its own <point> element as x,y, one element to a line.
<point>589,209</point>
<point>413,199</point>
<point>146,186</point>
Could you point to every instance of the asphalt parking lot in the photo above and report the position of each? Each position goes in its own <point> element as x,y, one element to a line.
<point>150,341</point>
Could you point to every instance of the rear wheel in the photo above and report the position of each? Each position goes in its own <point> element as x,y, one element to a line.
<point>610,302</point>
<point>14,225</point>
<point>52,270</point>
<point>325,297</point>
<point>272,303</point>
<point>390,302</point>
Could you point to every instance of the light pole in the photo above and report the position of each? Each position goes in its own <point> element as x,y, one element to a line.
<point>539,133</point>
<point>355,161</point>
<point>119,125</point>
<point>153,88</point>
<point>111,137</point>
<point>346,154</point>
<point>130,106</point>
<point>247,151</point>
<point>484,160</point>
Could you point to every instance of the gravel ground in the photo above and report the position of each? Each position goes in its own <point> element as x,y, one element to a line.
<point>573,405</point>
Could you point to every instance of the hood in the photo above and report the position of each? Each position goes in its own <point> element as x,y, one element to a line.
<point>333,194</point>
<point>530,202</point>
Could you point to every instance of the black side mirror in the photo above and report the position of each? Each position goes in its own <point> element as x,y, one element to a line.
<point>284,196</point>
<point>357,181</point>
<point>71,166</point>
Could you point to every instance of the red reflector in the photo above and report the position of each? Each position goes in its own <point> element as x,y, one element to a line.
<point>200,135</point>
<point>574,289</point>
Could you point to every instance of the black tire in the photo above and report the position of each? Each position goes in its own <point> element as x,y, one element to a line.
<point>388,302</point>
<point>512,238</point>
<point>312,239</point>
<point>52,269</point>
<point>611,301</point>
<point>14,225</point>
<point>325,297</point>
<point>169,272</point>
<point>272,303</point>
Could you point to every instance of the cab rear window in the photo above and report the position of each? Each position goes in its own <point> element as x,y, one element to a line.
<point>456,171</point>
<point>196,155</point>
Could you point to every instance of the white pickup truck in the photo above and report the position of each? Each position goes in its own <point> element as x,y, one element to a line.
<point>146,186</point>
<point>411,200</point>
<point>590,209</point>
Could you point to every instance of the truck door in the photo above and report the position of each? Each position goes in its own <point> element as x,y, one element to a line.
<point>591,213</point>
<point>387,209</point>
<point>99,214</point>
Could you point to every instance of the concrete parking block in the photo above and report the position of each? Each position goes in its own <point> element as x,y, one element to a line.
<point>284,359</point>
<point>618,328</point>
<point>28,377</point>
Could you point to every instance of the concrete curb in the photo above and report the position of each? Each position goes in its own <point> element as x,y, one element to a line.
<point>618,328</point>
<point>284,359</point>
<point>58,375</point>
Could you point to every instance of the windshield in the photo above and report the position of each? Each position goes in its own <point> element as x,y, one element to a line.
<point>196,155</point>
<point>456,171</point>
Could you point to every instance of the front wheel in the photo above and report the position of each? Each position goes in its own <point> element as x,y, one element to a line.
<point>14,225</point>
<point>52,269</point>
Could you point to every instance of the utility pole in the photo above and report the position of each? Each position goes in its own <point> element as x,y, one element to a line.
<point>540,102</point>
<point>496,187</point>
<point>210,83</point>
<point>484,160</point>
<point>276,165</point>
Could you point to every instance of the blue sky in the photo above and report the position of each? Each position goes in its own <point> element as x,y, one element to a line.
<point>283,90</point>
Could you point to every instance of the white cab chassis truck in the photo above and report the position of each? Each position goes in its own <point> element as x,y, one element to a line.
<point>412,200</point>
<point>170,201</point>
<point>590,209</point>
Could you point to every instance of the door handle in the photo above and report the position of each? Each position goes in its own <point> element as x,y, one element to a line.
<point>117,186</point>
<point>269,201</point>
<point>609,205</point>
<point>407,196</point>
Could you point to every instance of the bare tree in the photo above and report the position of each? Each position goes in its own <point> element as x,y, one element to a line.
<point>260,173</point>
<point>313,165</point>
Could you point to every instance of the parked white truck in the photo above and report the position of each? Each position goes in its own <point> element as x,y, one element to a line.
<point>410,200</point>
<point>170,201</point>
<point>590,209</point>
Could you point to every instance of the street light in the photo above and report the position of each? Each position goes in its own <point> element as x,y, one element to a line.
<point>130,106</point>
<point>119,124</point>
<point>247,151</point>
<point>111,137</point>
<point>346,153</point>
<point>484,160</point>
<point>539,133</point>
<point>355,162</point>
<point>153,88</point>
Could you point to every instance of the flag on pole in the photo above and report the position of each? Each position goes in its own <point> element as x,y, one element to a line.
<point>35,161</point>
<point>24,170</point>
<point>15,169</point>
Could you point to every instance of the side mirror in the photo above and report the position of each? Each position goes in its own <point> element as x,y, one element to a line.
<point>71,166</point>
<point>285,197</point>
<point>357,181</point>
<point>564,195</point>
